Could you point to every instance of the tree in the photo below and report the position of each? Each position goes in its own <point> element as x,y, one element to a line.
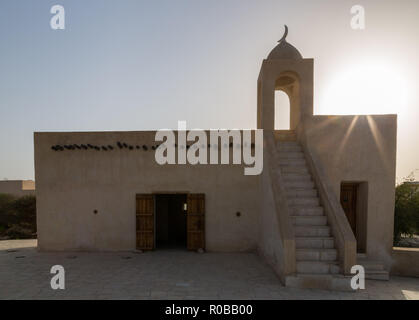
<point>17,217</point>
<point>406,211</point>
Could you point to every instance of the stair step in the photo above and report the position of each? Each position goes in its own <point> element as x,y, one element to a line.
<point>309,220</point>
<point>319,281</point>
<point>291,155</point>
<point>299,184</point>
<point>294,169</point>
<point>317,267</point>
<point>307,211</point>
<point>288,144</point>
<point>298,162</point>
<point>301,193</point>
<point>374,270</point>
<point>307,201</point>
<point>285,135</point>
<point>289,138</point>
<point>377,275</point>
<point>312,231</point>
<point>296,176</point>
<point>316,254</point>
<point>288,147</point>
<point>371,265</point>
<point>314,243</point>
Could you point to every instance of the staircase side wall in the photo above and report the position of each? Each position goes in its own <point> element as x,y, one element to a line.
<point>276,242</point>
<point>270,245</point>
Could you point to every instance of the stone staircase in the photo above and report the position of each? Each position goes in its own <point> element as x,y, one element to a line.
<point>316,255</point>
<point>374,270</point>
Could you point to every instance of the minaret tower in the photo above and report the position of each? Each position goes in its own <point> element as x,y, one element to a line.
<point>285,69</point>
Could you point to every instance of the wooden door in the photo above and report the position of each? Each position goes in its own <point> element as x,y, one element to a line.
<point>145,221</point>
<point>348,195</point>
<point>195,221</point>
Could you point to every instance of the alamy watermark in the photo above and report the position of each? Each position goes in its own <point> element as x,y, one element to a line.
<point>358,280</point>
<point>58,280</point>
<point>358,18</point>
<point>57,21</point>
<point>203,147</point>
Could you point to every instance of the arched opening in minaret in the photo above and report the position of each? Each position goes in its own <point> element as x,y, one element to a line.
<point>286,101</point>
<point>282,110</point>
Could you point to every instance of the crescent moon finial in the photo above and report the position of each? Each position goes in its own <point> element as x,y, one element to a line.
<point>285,34</point>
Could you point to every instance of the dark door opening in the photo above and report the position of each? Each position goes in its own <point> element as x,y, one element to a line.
<point>354,200</point>
<point>348,200</point>
<point>171,216</point>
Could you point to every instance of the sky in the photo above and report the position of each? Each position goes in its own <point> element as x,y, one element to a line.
<point>145,64</point>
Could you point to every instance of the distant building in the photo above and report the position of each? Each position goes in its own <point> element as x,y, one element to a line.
<point>18,188</point>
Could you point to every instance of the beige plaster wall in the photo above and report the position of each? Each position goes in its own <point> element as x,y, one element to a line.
<point>405,262</point>
<point>72,184</point>
<point>360,149</point>
<point>18,188</point>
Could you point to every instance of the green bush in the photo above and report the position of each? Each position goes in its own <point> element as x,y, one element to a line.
<point>17,217</point>
<point>406,211</point>
<point>6,208</point>
<point>25,210</point>
<point>19,232</point>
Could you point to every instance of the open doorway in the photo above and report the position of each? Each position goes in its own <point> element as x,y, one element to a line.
<point>171,219</point>
<point>282,110</point>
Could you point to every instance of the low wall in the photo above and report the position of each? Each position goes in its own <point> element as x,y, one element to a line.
<point>405,262</point>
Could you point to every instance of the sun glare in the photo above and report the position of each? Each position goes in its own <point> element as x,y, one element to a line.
<point>367,88</point>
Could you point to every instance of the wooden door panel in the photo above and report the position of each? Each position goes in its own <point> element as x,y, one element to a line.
<point>196,221</point>
<point>145,221</point>
<point>348,201</point>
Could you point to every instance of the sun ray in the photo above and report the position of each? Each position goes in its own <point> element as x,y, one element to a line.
<point>347,134</point>
<point>379,141</point>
